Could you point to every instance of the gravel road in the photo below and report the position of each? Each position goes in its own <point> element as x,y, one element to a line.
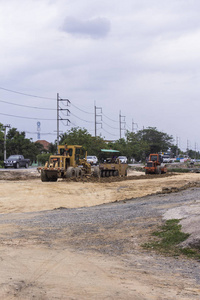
<point>115,231</point>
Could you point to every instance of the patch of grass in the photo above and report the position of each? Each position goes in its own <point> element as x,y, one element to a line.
<point>179,170</point>
<point>168,237</point>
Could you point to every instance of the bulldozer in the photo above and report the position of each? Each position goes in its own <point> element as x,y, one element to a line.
<point>155,164</point>
<point>69,162</point>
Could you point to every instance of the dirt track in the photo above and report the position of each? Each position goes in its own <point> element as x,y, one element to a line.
<point>92,252</point>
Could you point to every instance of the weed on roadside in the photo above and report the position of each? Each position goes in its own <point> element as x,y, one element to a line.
<point>168,238</point>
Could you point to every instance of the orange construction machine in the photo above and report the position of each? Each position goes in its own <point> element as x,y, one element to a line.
<point>155,165</point>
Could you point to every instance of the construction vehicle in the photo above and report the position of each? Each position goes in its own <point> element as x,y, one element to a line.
<point>155,165</point>
<point>111,166</point>
<point>69,162</point>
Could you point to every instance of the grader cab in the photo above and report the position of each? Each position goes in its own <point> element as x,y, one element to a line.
<point>70,161</point>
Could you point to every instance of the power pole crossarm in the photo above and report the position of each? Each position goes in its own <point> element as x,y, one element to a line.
<point>97,116</point>
<point>58,114</point>
<point>121,121</point>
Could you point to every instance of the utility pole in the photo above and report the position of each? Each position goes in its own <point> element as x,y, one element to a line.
<point>177,146</point>
<point>96,109</point>
<point>133,129</point>
<point>187,147</point>
<point>5,126</point>
<point>59,118</point>
<point>121,122</point>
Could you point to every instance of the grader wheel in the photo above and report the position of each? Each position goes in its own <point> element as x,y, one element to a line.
<point>78,172</point>
<point>71,172</point>
<point>96,172</point>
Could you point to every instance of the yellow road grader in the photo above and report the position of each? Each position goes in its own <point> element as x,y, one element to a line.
<point>71,162</point>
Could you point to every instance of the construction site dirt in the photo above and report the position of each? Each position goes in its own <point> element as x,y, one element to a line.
<point>82,240</point>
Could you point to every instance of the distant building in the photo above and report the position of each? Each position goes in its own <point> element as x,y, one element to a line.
<point>44,143</point>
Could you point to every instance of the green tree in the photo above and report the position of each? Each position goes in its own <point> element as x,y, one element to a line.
<point>42,158</point>
<point>79,136</point>
<point>131,146</point>
<point>134,145</point>
<point>17,143</point>
<point>156,140</point>
<point>136,148</point>
<point>175,150</point>
<point>52,148</point>
<point>193,154</point>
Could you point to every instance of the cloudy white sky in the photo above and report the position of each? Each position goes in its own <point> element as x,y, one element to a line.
<point>140,57</point>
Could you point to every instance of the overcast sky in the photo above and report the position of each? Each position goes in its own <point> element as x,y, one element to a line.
<point>140,57</point>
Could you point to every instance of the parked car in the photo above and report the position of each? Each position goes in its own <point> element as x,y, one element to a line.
<point>16,161</point>
<point>166,159</point>
<point>123,159</point>
<point>93,160</point>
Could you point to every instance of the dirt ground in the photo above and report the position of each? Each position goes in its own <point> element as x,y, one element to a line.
<point>34,195</point>
<point>95,258</point>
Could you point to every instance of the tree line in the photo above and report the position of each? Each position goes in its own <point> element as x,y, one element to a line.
<point>134,145</point>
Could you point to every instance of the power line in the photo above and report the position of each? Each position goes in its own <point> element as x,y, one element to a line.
<point>109,118</point>
<point>26,117</point>
<point>24,94</point>
<point>109,132</point>
<point>110,126</point>
<point>22,105</point>
<point>58,108</point>
<point>128,127</point>
<point>90,113</point>
<point>81,119</point>
<point>43,133</point>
